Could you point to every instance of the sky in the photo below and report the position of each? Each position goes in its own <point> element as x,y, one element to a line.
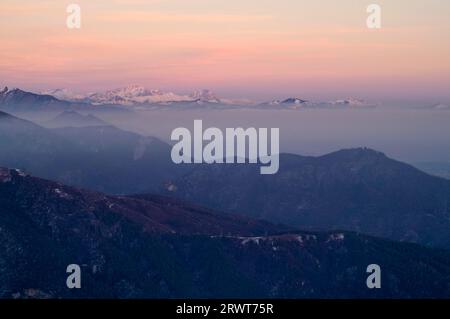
<point>256,49</point>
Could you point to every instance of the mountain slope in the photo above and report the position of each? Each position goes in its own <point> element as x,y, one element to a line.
<point>441,169</point>
<point>124,162</point>
<point>74,119</point>
<point>153,247</point>
<point>104,158</point>
<point>357,189</point>
<point>34,148</point>
<point>18,100</point>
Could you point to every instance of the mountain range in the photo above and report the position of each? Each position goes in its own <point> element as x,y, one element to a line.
<point>355,190</point>
<point>18,101</point>
<point>135,97</point>
<point>154,247</point>
<point>296,103</point>
<point>103,158</point>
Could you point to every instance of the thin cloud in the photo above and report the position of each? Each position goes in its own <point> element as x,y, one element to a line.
<point>157,16</point>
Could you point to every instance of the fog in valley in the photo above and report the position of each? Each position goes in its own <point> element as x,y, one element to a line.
<point>405,134</point>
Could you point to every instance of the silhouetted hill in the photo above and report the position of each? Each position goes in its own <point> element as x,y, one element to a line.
<point>101,158</point>
<point>74,119</point>
<point>356,189</point>
<point>18,100</point>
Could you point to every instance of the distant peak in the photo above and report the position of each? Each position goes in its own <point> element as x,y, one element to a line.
<point>132,89</point>
<point>350,101</point>
<point>294,100</point>
<point>358,152</point>
<point>205,95</point>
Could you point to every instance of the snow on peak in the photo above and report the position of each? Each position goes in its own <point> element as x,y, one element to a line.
<point>290,103</point>
<point>349,102</point>
<point>131,91</point>
<point>128,92</point>
<point>294,100</point>
<point>64,94</point>
<point>205,96</point>
<point>135,94</point>
<point>295,103</point>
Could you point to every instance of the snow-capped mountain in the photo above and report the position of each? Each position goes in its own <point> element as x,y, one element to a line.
<point>348,103</point>
<point>210,97</point>
<point>352,102</point>
<point>141,97</point>
<point>291,100</point>
<point>64,94</point>
<point>134,95</point>
<point>299,103</point>
<point>295,100</point>
<point>289,103</point>
<point>205,96</point>
<point>19,100</point>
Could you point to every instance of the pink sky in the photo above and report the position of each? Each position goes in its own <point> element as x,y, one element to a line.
<point>237,48</point>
